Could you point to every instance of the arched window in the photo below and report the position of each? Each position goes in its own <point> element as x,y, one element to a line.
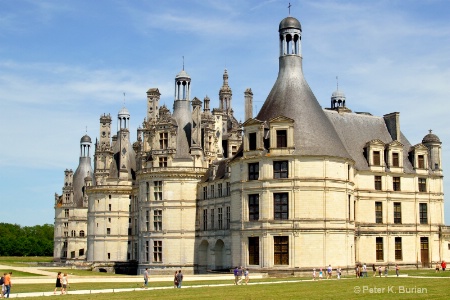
<point>81,233</point>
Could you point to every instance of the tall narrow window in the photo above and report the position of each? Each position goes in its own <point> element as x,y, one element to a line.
<point>228,188</point>
<point>281,250</point>
<point>228,217</point>
<point>108,231</point>
<point>147,220</point>
<point>220,218</point>
<point>212,191</point>
<point>421,161</point>
<point>281,138</point>
<point>280,206</point>
<point>376,158</point>
<point>157,220</point>
<point>163,162</point>
<point>252,141</point>
<point>66,213</point>
<point>157,251</point>
<point>423,213</point>
<point>147,191</point>
<point>205,192</point>
<point>398,248</point>
<point>157,190</point>
<point>422,185</point>
<point>397,213</point>
<point>212,219</point>
<point>163,140</point>
<point>280,169</point>
<point>379,249</point>
<point>395,159</point>
<point>147,250</point>
<point>396,183</point>
<point>253,171</point>
<point>378,183</point>
<point>205,219</point>
<point>219,190</point>
<point>253,207</point>
<point>253,250</point>
<point>378,212</point>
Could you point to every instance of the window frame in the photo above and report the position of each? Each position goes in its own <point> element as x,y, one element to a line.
<point>278,171</point>
<point>281,206</point>
<point>253,207</point>
<point>253,171</point>
<point>397,212</point>
<point>281,250</point>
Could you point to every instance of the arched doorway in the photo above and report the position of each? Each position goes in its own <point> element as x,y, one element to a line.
<point>218,253</point>
<point>203,256</point>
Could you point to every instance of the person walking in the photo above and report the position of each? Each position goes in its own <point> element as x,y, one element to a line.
<point>314,274</point>
<point>443,265</point>
<point>246,275</point>
<point>379,270</point>
<point>58,282</point>
<point>180,278</point>
<point>374,269</point>
<point>65,284</point>
<point>175,280</point>
<point>2,281</point>
<point>329,270</point>
<point>397,269</point>
<point>235,272</point>
<point>145,284</point>
<point>239,282</point>
<point>338,271</point>
<point>7,283</point>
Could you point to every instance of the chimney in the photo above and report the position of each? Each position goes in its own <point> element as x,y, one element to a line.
<point>392,121</point>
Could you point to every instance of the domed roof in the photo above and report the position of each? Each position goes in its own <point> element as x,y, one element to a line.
<point>290,22</point>
<point>183,74</point>
<point>338,94</point>
<point>431,138</point>
<point>85,139</point>
<point>124,112</point>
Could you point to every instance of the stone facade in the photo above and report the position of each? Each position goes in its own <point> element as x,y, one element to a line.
<point>294,188</point>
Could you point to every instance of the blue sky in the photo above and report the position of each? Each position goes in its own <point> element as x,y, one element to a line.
<point>64,63</point>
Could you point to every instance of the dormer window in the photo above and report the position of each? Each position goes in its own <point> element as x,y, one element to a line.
<point>281,138</point>
<point>163,140</point>
<point>395,159</point>
<point>252,141</point>
<point>376,158</point>
<point>421,161</point>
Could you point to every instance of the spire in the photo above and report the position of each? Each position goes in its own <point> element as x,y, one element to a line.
<point>225,93</point>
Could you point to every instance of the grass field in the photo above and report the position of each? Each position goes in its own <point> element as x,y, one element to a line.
<point>367,288</point>
<point>24,261</point>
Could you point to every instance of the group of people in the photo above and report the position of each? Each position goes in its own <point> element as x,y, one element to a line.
<point>239,273</point>
<point>6,284</point>
<point>443,265</point>
<point>328,271</point>
<point>361,270</point>
<point>177,280</point>
<point>62,283</point>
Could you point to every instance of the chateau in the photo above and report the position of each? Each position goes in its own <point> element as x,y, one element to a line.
<point>292,188</point>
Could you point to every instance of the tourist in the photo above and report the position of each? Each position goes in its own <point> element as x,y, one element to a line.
<point>180,278</point>
<point>386,269</point>
<point>145,284</point>
<point>3,284</point>
<point>437,267</point>
<point>239,282</point>
<point>65,284</point>
<point>314,274</point>
<point>374,269</point>
<point>364,270</point>
<point>175,280</point>
<point>247,278</point>
<point>7,283</point>
<point>443,265</point>
<point>357,271</point>
<point>338,271</point>
<point>320,274</point>
<point>329,270</point>
<point>235,272</point>
<point>58,282</point>
<point>379,270</point>
<point>397,269</point>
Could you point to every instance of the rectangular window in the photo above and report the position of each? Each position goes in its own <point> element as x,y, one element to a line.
<point>376,158</point>
<point>397,213</point>
<point>220,217</point>
<point>212,191</point>
<point>205,192</point>
<point>421,161</point>
<point>378,212</point>
<point>280,169</point>
<point>253,171</point>
<point>147,250</point>
<point>228,217</point>
<point>422,185</point>
<point>281,138</point>
<point>205,219</point>
<point>109,207</point>
<point>72,254</point>
<point>281,250</point>
<point>252,141</point>
<point>219,190</point>
<point>64,254</point>
<point>66,213</point>
<point>157,251</point>
<point>147,191</point>
<point>157,220</point>
<point>65,244</point>
<point>423,213</point>
<point>280,206</point>
<point>212,218</point>
<point>108,231</point>
<point>396,183</point>
<point>253,207</point>
<point>395,159</point>
<point>157,190</point>
<point>163,162</point>
<point>398,248</point>
<point>378,183</point>
<point>66,233</point>
<point>379,249</point>
<point>147,220</point>
<point>228,189</point>
<point>163,140</point>
<point>253,250</point>
<point>66,224</point>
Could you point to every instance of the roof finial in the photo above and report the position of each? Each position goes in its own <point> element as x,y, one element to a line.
<point>337,83</point>
<point>123,99</point>
<point>289,6</point>
<point>183,62</point>
<point>429,130</point>
<point>86,129</point>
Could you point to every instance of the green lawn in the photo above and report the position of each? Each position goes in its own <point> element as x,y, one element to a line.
<point>18,273</point>
<point>24,261</point>
<point>77,272</point>
<point>368,288</point>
